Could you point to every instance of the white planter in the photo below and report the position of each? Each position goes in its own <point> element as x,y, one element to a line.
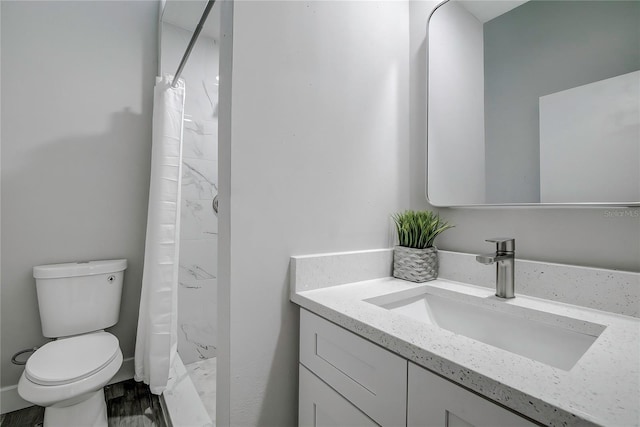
<point>415,265</point>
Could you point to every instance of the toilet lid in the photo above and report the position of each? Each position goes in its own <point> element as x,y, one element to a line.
<point>71,359</point>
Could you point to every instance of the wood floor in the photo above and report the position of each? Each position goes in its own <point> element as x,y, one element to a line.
<point>129,404</point>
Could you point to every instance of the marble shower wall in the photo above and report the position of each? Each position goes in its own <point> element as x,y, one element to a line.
<point>197,293</point>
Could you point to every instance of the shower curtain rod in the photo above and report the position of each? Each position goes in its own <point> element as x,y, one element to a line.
<point>192,43</point>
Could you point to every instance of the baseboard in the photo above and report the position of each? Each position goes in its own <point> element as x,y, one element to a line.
<point>11,401</point>
<point>126,371</point>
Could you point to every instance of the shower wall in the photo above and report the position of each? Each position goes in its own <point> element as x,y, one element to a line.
<point>197,306</point>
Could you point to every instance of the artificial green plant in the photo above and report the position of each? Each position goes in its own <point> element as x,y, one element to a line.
<point>418,229</point>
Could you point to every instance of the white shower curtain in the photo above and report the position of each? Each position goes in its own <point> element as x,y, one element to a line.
<point>156,342</point>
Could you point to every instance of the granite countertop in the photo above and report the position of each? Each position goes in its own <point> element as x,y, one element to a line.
<point>603,388</point>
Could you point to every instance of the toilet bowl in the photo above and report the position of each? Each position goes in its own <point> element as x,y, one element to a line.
<point>76,301</point>
<point>67,377</point>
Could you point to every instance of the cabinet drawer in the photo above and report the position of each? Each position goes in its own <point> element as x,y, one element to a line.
<point>434,401</point>
<point>370,377</point>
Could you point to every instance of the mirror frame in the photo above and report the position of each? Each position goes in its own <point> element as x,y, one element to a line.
<point>493,205</point>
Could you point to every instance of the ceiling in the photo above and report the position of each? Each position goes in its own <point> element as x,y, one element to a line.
<point>486,10</point>
<point>187,13</point>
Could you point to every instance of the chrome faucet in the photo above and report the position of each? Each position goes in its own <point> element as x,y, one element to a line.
<point>504,258</point>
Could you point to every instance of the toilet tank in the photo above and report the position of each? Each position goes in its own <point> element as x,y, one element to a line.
<point>80,297</point>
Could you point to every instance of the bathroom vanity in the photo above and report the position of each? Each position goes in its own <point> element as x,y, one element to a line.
<point>380,387</point>
<point>375,350</point>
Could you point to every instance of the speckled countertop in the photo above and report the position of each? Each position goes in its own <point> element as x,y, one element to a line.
<point>603,388</point>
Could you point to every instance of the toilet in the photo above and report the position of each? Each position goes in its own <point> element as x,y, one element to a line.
<point>77,301</point>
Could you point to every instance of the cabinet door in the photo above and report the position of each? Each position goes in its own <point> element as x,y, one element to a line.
<point>322,406</point>
<point>371,377</point>
<point>434,401</point>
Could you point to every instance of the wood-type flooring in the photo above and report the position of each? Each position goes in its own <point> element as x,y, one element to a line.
<point>129,404</point>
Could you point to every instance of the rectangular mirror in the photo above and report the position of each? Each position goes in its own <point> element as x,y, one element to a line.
<point>534,102</point>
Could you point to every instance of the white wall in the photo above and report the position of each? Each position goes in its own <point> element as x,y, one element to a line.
<point>539,48</point>
<point>197,282</point>
<point>590,142</point>
<point>597,237</point>
<point>456,108</point>
<point>77,87</point>
<point>318,155</point>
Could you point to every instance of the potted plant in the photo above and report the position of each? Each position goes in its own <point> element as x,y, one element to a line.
<point>416,258</point>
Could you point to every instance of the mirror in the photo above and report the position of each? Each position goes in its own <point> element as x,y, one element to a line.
<point>534,102</point>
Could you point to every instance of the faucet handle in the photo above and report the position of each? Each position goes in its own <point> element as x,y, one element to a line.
<point>503,244</point>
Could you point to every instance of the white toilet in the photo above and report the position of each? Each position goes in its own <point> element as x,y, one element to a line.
<point>66,376</point>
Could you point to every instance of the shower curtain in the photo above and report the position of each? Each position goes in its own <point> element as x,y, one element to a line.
<point>156,341</point>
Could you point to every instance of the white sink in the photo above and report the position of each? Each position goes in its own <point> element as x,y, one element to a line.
<point>554,340</point>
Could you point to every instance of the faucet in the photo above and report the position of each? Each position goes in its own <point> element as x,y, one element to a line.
<point>504,258</point>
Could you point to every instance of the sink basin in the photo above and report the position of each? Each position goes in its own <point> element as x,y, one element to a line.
<point>552,341</point>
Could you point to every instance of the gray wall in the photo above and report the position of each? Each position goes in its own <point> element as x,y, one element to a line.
<point>318,158</point>
<point>597,237</point>
<point>580,42</point>
<point>77,87</point>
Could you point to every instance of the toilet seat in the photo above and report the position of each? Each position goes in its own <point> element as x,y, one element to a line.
<point>72,359</point>
<point>69,393</point>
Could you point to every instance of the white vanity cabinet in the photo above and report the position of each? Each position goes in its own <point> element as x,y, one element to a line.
<point>321,406</point>
<point>434,401</point>
<point>372,379</point>
<point>347,381</point>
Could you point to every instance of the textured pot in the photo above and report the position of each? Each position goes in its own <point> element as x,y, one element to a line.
<point>415,265</point>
